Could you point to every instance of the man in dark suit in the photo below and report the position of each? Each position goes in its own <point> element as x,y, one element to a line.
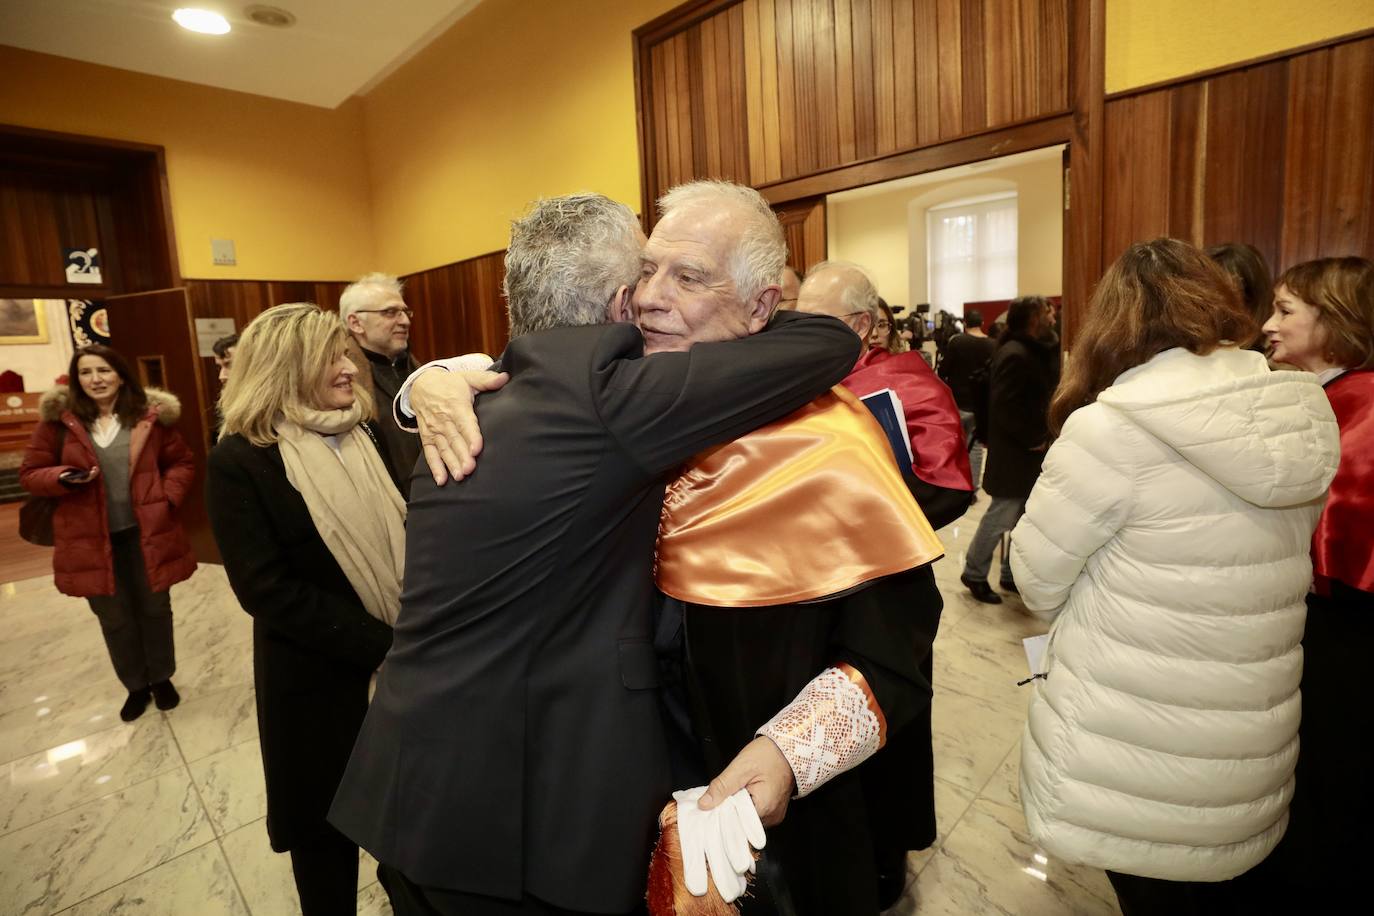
<point>513,759</point>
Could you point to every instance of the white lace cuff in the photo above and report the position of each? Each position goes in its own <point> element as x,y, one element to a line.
<point>832,726</point>
<point>400,407</point>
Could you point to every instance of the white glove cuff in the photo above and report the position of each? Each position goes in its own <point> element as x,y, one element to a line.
<point>832,726</point>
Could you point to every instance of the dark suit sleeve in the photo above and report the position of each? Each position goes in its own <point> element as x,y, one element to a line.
<point>267,587</point>
<point>665,408</point>
<point>941,505</point>
<point>1017,409</point>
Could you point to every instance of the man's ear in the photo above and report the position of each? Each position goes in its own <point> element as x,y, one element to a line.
<point>761,307</point>
<point>354,324</point>
<point>864,327</point>
<point>620,309</point>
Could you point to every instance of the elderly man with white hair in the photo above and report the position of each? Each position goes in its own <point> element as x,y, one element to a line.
<point>783,671</point>
<point>378,320</point>
<point>514,759</point>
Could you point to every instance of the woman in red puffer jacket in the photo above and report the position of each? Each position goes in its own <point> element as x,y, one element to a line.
<point>107,451</point>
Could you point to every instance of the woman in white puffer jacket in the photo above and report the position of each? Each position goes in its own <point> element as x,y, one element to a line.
<point>1169,538</point>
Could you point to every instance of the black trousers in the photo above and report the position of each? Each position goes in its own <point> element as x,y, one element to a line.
<point>326,872</point>
<point>410,899</point>
<point>136,621</point>
<point>1139,896</point>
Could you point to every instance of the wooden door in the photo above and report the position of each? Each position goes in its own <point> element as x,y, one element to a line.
<point>156,334</point>
<point>803,225</point>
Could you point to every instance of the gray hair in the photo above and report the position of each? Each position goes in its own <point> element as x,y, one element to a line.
<point>860,294</point>
<point>567,258</point>
<point>367,291</point>
<point>757,261</point>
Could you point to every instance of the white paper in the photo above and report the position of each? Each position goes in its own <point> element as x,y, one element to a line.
<point>1035,647</point>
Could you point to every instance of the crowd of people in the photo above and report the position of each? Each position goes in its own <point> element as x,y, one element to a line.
<point>648,604</point>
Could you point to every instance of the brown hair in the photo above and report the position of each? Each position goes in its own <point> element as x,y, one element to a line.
<point>1342,292</point>
<point>1251,273</point>
<point>131,402</point>
<point>1157,296</point>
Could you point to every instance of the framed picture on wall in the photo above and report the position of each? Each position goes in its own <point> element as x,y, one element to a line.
<point>23,321</point>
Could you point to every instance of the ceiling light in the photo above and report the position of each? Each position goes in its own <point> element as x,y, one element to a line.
<point>202,21</point>
<point>273,16</point>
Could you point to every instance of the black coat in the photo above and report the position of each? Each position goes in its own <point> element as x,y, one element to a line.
<point>963,355</point>
<point>514,745</point>
<point>1023,378</point>
<point>738,667</point>
<point>314,645</point>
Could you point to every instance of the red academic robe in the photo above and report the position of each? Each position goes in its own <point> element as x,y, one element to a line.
<point>932,417</point>
<point>1343,544</point>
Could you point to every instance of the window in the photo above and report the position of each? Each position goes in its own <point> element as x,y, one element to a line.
<point>971,251</point>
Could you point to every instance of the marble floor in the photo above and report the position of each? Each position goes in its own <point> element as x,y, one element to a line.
<point>166,815</point>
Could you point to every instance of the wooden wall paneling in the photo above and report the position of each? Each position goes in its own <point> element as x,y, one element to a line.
<point>1085,232</point>
<point>972,66</point>
<point>753,81</point>
<point>927,61</point>
<point>686,125</point>
<point>1243,184</point>
<point>772,110</point>
<point>1309,83</point>
<point>884,78</point>
<point>803,226</point>
<point>1000,67</point>
<point>705,127</point>
<point>861,23</point>
<point>845,139</point>
<point>824,35</point>
<point>804,95</point>
<point>713,105</point>
<point>1137,157</point>
<point>671,116</point>
<point>787,87</point>
<point>1187,149</point>
<point>732,25</point>
<point>1052,64</point>
<point>1348,188</point>
<point>656,162</point>
<point>904,54</point>
<point>949,68</point>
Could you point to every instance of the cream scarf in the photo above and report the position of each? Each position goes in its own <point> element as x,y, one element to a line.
<point>355,506</point>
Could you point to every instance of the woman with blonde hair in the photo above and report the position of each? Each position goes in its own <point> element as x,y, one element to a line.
<point>1323,323</point>
<point>312,533</point>
<point>1167,538</point>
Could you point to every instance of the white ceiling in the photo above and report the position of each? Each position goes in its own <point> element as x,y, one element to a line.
<point>336,49</point>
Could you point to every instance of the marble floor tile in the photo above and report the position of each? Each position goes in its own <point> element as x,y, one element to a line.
<point>60,778</point>
<point>215,721</point>
<point>198,882</point>
<point>973,662</point>
<point>59,718</point>
<point>224,666</point>
<point>231,786</point>
<point>989,866</point>
<point>372,901</point>
<point>32,684</point>
<point>1005,785</point>
<point>265,876</point>
<point>210,627</point>
<point>951,802</point>
<point>75,855</point>
<point>971,738</point>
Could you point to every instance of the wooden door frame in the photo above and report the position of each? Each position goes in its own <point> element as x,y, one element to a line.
<point>1080,128</point>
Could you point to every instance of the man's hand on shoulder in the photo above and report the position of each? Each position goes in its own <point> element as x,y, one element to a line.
<point>443,406</point>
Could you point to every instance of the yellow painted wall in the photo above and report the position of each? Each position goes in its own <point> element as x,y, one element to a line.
<point>519,99</point>
<point>1153,40</point>
<point>887,232</point>
<point>287,182</point>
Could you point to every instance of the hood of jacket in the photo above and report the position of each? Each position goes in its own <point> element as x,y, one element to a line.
<point>1267,436</point>
<point>56,401</point>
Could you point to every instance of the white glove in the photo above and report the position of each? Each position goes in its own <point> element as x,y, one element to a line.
<point>721,838</point>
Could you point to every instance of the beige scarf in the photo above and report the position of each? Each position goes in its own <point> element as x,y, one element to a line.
<point>355,506</point>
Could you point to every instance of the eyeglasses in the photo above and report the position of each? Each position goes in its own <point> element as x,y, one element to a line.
<point>390,314</point>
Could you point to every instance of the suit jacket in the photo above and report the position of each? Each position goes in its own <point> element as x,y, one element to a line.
<point>514,745</point>
<point>314,645</point>
<point>1023,379</point>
